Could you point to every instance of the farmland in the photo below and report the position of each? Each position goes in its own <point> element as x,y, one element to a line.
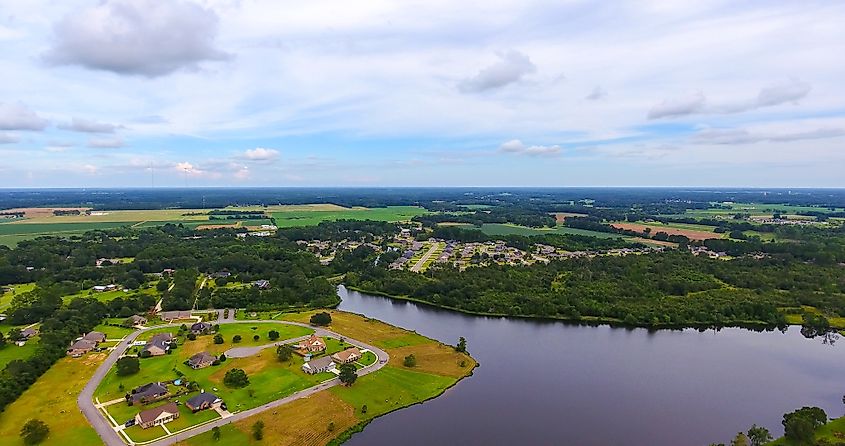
<point>511,229</point>
<point>296,217</point>
<point>693,232</point>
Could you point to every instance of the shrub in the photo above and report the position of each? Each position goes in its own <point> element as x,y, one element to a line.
<point>127,365</point>
<point>236,378</point>
<point>321,318</point>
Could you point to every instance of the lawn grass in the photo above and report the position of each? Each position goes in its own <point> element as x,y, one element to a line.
<point>106,296</point>
<point>6,298</point>
<point>10,351</point>
<point>113,332</point>
<point>137,433</point>
<point>52,399</point>
<point>312,217</point>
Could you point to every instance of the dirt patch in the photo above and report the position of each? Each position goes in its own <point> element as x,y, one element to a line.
<point>560,217</point>
<point>42,212</point>
<point>689,233</point>
<point>252,365</point>
<point>355,326</point>
<point>303,422</point>
<point>433,358</point>
<point>649,241</point>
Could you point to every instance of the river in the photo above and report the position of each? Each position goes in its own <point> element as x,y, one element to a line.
<point>550,383</point>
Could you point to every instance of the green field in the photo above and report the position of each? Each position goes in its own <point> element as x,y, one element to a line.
<point>6,298</point>
<point>495,229</point>
<point>13,233</point>
<point>755,209</point>
<point>10,351</point>
<point>106,296</point>
<point>832,431</point>
<point>296,218</point>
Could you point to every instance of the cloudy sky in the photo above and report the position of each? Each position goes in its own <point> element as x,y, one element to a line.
<point>380,93</point>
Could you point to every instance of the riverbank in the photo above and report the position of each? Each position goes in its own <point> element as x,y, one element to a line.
<point>335,414</point>
<point>583,320</point>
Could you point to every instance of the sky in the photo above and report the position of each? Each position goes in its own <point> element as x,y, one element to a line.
<point>140,93</point>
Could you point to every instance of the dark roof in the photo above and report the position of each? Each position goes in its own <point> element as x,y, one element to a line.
<point>148,390</point>
<point>151,414</point>
<point>160,340</point>
<point>29,332</point>
<point>201,357</point>
<point>200,326</point>
<point>82,344</point>
<point>320,362</point>
<point>94,336</point>
<point>204,397</point>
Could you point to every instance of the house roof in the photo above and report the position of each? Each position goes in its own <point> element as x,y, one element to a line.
<point>94,336</point>
<point>175,314</point>
<point>204,397</point>
<point>201,357</point>
<point>348,353</point>
<point>82,344</point>
<point>136,318</point>
<point>149,415</point>
<point>313,340</point>
<point>160,340</point>
<point>319,363</point>
<point>199,326</point>
<point>149,389</point>
<point>29,332</point>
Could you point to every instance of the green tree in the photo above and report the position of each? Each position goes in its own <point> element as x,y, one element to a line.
<point>2,340</point>
<point>273,335</point>
<point>215,433</point>
<point>34,432</point>
<point>740,440</point>
<point>192,337</point>
<point>330,427</point>
<point>218,338</point>
<point>364,408</point>
<point>127,365</point>
<point>347,374</point>
<point>236,339</point>
<point>758,435</point>
<point>284,353</point>
<point>321,318</point>
<point>236,378</point>
<point>258,430</point>
<point>462,345</point>
<point>800,425</point>
<point>255,337</point>
<point>410,361</point>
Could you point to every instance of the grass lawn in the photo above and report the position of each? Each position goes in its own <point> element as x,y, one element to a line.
<point>113,332</point>
<point>136,433</point>
<point>52,399</point>
<point>6,298</point>
<point>312,217</point>
<point>10,351</point>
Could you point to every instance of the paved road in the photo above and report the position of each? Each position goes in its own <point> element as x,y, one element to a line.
<point>104,429</point>
<point>416,268</point>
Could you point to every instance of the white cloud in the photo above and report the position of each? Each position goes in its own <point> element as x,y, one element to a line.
<point>742,136</point>
<point>516,146</point>
<point>90,169</point>
<point>19,117</point>
<point>106,143</point>
<point>596,94</point>
<point>511,67</point>
<point>137,37</point>
<point>261,154</point>
<point>678,107</point>
<point>8,138</point>
<point>88,126</point>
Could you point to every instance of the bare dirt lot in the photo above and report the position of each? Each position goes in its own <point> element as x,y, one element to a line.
<point>689,233</point>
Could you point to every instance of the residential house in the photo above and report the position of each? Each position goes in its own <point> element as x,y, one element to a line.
<point>169,316</point>
<point>27,333</point>
<point>147,393</point>
<point>203,401</point>
<point>221,275</point>
<point>102,288</point>
<point>159,344</point>
<point>201,328</point>
<point>349,355</point>
<point>312,344</point>
<point>134,320</point>
<point>318,365</point>
<point>201,360</point>
<point>261,284</point>
<point>95,337</point>
<point>157,415</point>
<point>80,348</point>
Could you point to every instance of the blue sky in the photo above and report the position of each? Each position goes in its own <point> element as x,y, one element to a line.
<point>421,93</point>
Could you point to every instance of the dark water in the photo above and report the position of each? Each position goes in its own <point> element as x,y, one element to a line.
<point>544,383</point>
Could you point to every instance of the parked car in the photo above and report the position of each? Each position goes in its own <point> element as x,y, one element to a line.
<point>130,423</point>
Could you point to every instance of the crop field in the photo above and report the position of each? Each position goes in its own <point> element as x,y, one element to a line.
<point>509,229</point>
<point>756,209</point>
<point>657,227</point>
<point>311,217</point>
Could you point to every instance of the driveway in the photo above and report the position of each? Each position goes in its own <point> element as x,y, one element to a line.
<point>110,437</point>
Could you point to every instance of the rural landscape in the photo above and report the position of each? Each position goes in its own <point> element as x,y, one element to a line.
<point>379,223</point>
<point>224,324</point>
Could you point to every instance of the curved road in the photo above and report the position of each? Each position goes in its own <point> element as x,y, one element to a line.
<point>110,437</point>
